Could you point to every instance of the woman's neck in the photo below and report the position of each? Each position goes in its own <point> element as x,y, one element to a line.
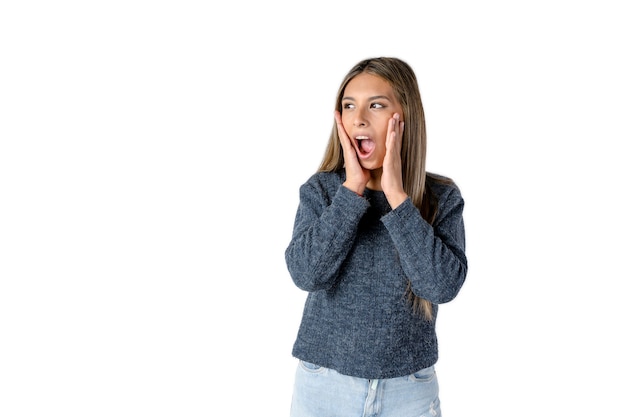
<point>374,182</point>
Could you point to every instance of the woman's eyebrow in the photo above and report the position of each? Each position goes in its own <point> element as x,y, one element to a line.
<point>370,99</point>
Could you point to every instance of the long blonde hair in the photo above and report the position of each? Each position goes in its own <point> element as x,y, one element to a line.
<point>413,152</point>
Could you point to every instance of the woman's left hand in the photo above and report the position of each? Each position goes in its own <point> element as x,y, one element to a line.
<point>391,180</point>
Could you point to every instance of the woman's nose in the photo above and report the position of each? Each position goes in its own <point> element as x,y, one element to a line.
<point>359,119</point>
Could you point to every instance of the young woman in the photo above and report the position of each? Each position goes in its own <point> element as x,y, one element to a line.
<point>377,243</point>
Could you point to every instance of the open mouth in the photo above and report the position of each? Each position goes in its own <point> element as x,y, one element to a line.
<point>365,146</point>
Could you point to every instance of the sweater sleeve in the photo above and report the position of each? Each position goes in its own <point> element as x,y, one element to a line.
<point>432,257</point>
<point>323,233</point>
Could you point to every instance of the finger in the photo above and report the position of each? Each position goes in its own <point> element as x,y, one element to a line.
<point>397,123</point>
<point>398,131</point>
<point>391,125</point>
<point>393,131</point>
<point>341,131</point>
<point>400,134</point>
<point>349,152</point>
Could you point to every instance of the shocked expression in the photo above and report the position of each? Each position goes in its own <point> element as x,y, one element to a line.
<point>368,104</point>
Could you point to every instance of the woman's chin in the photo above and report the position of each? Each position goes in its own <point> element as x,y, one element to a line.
<point>371,164</point>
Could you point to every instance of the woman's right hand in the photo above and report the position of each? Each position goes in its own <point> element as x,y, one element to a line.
<point>356,176</point>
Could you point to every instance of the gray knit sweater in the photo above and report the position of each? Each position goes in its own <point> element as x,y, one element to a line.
<point>354,256</point>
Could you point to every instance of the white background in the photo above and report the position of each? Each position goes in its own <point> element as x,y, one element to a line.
<point>150,159</point>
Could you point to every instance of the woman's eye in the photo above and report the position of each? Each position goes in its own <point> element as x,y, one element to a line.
<point>348,106</point>
<point>377,106</point>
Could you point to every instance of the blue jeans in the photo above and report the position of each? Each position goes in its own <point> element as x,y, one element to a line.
<point>323,392</point>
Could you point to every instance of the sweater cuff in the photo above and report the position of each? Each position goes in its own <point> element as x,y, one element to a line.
<point>351,203</point>
<point>400,215</point>
<point>405,209</point>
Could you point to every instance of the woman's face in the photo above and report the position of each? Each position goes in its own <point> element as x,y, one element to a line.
<point>367,105</point>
